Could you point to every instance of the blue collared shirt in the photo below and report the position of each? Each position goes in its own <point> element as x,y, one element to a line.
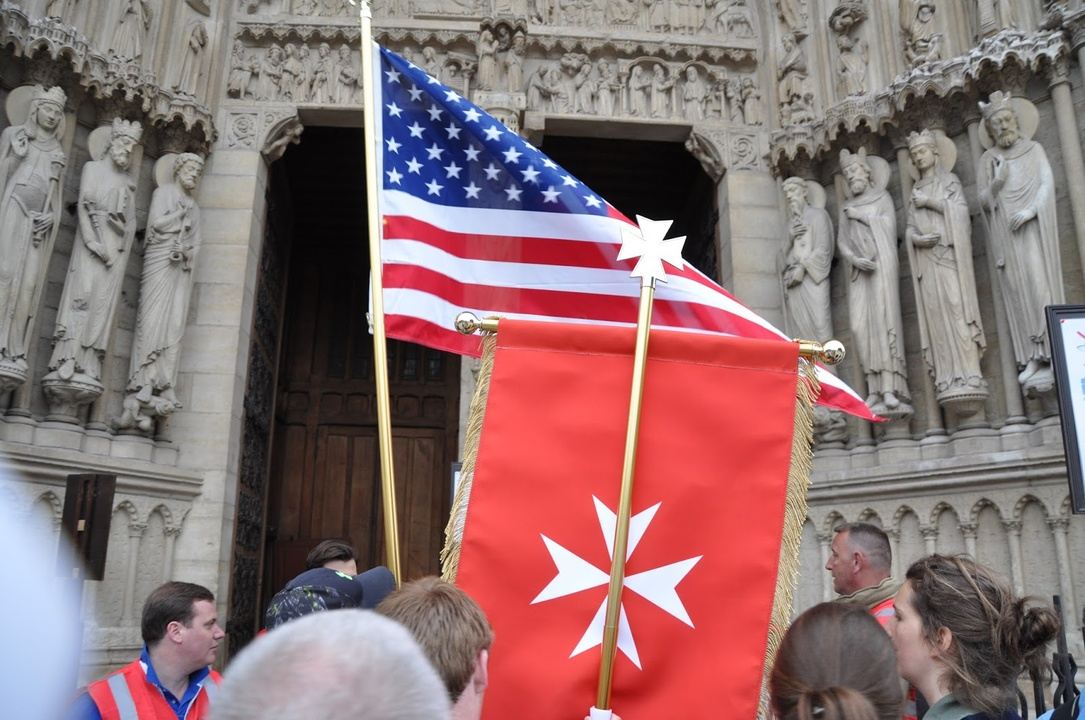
<point>84,708</point>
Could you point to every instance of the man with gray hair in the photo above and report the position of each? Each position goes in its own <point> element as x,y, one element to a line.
<point>334,666</point>
<point>860,562</point>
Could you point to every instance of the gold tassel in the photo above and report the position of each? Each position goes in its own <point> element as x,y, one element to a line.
<point>798,482</point>
<point>450,554</point>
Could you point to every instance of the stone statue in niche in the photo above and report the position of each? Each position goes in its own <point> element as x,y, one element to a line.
<point>794,84</point>
<point>751,102</point>
<point>795,15</point>
<point>242,68</point>
<point>60,9</point>
<point>853,54</point>
<point>939,243</point>
<point>608,85</point>
<point>169,256</point>
<point>304,79</point>
<point>805,276</point>
<point>993,16</point>
<point>732,93</point>
<point>514,62</point>
<point>132,30</point>
<point>1017,192</point>
<point>293,77</point>
<point>539,90</point>
<point>188,77</point>
<point>430,63</point>
<point>106,214</point>
<point>486,47</point>
<point>640,91</point>
<point>564,80</point>
<point>922,41</point>
<point>661,91</point>
<point>867,240</point>
<point>694,94</point>
<point>346,77</point>
<point>323,69</point>
<point>31,167</point>
<point>584,97</point>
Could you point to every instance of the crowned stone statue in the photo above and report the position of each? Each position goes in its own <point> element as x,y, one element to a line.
<point>867,239</point>
<point>939,243</point>
<point>106,214</point>
<point>31,165</point>
<point>1017,192</point>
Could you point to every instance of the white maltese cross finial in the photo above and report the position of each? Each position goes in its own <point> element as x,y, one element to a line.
<point>648,244</point>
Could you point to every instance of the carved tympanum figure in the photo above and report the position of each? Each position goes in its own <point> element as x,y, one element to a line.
<point>867,240</point>
<point>172,241</point>
<point>486,47</point>
<point>514,63</point>
<point>346,77</point>
<point>323,70</point>
<point>694,94</point>
<point>922,41</point>
<point>751,102</point>
<point>939,243</point>
<point>661,91</point>
<point>1017,192</point>
<point>608,86</point>
<point>106,214</point>
<point>31,164</point>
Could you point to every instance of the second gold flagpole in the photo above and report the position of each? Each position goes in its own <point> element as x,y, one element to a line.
<point>376,285</point>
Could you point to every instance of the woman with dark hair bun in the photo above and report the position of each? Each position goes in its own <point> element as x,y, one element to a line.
<point>963,638</point>
<point>835,663</point>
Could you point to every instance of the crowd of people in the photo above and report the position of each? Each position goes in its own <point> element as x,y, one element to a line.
<point>949,642</point>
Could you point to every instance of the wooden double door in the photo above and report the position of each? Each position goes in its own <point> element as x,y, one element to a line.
<point>325,474</point>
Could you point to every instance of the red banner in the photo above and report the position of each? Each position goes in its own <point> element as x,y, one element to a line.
<point>708,505</point>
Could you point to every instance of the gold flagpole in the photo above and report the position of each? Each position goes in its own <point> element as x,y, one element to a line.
<point>376,285</point>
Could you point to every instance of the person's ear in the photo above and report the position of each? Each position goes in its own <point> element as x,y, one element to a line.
<point>173,631</point>
<point>944,640</point>
<point>481,677</point>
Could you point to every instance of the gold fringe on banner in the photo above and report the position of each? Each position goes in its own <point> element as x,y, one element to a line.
<point>798,482</point>
<point>450,554</point>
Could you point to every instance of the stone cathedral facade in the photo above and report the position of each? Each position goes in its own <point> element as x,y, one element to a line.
<point>904,175</point>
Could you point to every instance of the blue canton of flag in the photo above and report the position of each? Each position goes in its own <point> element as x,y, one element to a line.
<point>441,148</point>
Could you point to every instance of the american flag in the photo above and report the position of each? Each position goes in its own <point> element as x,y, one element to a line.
<point>476,218</point>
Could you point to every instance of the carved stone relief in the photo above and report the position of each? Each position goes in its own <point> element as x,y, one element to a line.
<point>241,130</point>
<point>1017,193</point>
<point>734,19</point>
<point>169,256</point>
<point>106,214</point>
<point>852,51</point>
<point>131,33</point>
<point>32,163</point>
<point>295,72</point>
<point>867,240</point>
<point>922,40</point>
<point>795,15</point>
<point>795,92</point>
<point>938,239</point>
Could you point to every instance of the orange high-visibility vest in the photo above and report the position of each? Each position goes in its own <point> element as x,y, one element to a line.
<point>128,695</point>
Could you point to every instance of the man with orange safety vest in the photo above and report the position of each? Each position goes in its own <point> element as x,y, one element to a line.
<point>861,562</point>
<point>172,678</point>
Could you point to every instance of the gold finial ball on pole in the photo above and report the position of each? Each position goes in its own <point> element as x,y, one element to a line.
<point>832,353</point>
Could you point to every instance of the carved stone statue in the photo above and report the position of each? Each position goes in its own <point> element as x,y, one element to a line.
<point>852,49</point>
<point>271,74</point>
<point>584,97</point>
<point>1017,192</point>
<point>346,77</point>
<point>323,70</point>
<point>794,83</point>
<point>608,86</point>
<point>939,243</point>
<point>538,89</point>
<point>738,19</point>
<point>694,94</point>
<point>171,244</point>
<point>794,13</point>
<point>486,47</point>
<point>807,262</point>
<point>993,16</point>
<point>640,91</point>
<point>751,102</point>
<point>60,9</point>
<point>188,77</point>
<point>293,77</point>
<point>661,91</point>
<point>106,213</point>
<point>922,41</point>
<point>514,63</point>
<point>132,29</point>
<point>242,66</point>
<point>867,240</point>
<point>31,165</point>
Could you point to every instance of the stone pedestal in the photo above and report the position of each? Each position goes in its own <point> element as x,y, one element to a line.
<point>67,396</point>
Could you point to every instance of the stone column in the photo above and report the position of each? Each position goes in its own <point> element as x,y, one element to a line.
<point>936,430</point>
<point>167,564</point>
<point>1015,406</point>
<point>1070,142</point>
<point>1060,527</point>
<point>969,531</point>
<point>930,538</point>
<point>135,537</point>
<point>824,540</point>
<point>1017,563</point>
<point>894,554</point>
